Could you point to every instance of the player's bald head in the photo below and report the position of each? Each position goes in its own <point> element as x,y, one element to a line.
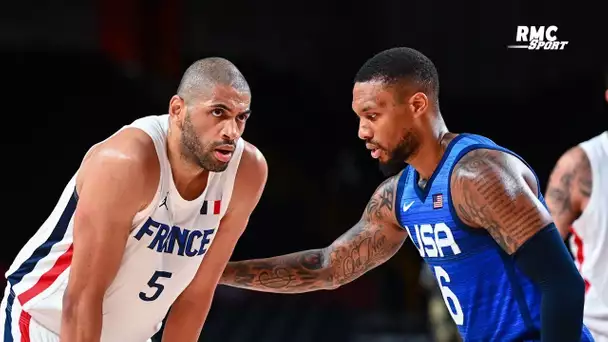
<point>203,75</point>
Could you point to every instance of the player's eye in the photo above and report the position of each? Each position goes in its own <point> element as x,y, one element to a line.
<point>217,112</point>
<point>242,117</point>
<point>372,116</point>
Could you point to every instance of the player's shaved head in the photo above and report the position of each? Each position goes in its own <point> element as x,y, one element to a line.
<point>204,74</point>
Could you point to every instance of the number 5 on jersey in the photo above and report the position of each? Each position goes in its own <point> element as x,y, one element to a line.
<point>155,284</point>
<point>443,278</point>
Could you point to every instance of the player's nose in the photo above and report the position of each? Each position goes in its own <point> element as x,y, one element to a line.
<point>231,130</point>
<point>364,132</point>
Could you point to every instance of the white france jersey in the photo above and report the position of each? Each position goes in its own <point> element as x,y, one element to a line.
<point>167,243</point>
<point>589,239</point>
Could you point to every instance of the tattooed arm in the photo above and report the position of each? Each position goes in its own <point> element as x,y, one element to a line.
<point>372,241</point>
<point>496,191</point>
<point>569,188</point>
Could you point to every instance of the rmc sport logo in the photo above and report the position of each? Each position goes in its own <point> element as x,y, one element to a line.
<point>536,38</point>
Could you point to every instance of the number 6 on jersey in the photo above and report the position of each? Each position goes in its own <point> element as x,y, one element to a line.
<point>153,283</point>
<point>449,295</point>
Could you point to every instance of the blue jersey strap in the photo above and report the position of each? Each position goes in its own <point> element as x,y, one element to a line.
<point>546,261</point>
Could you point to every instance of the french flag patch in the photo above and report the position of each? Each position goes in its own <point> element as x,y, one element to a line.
<point>211,207</point>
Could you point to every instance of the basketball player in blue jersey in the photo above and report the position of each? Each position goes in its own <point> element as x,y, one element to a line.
<point>473,209</point>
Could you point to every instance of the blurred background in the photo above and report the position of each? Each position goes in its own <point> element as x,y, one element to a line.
<point>76,71</point>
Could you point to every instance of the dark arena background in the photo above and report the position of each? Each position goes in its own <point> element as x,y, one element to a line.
<point>76,71</point>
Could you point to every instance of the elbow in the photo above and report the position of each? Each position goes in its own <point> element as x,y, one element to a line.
<point>545,259</point>
<point>576,284</point>
<point>332,285</point>
<point>574,299</point>
<point>326,267</point>
<point>569,291</point>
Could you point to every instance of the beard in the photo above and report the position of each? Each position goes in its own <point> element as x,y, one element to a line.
<point>406,148</point>
<point>201,154</point>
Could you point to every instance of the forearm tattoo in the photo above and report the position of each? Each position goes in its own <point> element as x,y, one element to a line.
<point>369,243</point>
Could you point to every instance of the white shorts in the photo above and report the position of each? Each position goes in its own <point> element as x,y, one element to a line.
<point>17,325</point>
<point>597,337</point>
<point>597,329</point>
<point>596,314</point>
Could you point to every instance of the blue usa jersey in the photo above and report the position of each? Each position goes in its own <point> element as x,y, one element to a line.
<point>489,298</point>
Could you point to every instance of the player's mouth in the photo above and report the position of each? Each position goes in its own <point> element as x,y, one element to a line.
<point>375,150</point>
<point>224,153</point>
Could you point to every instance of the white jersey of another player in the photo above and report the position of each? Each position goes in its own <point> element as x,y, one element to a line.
<point>589,239</point>
<point>167,242</point>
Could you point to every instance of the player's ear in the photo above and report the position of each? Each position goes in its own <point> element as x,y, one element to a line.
<point>606,95</point>
<point>177,106</point>
<point>418,103</point>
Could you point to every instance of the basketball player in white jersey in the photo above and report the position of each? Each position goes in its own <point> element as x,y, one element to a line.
<point>148,222</point>
<point>577,196</point>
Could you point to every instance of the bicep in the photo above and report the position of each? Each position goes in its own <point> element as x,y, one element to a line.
<point>569,186</point>
<point>489,191</point>
<point>110,193</point>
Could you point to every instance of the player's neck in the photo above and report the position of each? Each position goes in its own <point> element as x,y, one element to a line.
<point>432,147</point>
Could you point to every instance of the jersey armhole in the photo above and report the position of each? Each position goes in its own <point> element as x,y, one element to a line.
<point>596,178</point>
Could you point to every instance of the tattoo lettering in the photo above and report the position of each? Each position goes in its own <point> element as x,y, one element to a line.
<point>373,240</point>
<point>487,194</point>
<point>361,252</point>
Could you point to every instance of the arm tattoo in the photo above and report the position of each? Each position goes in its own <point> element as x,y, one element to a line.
<point>569,185</point>
<point>488,193</point>
<point>372,241</point>
<point>383,198</point>
<point>560,194</point>
<point>281,272</point>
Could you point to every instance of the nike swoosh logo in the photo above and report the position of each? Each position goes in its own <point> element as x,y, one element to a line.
<point>407,206</point>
